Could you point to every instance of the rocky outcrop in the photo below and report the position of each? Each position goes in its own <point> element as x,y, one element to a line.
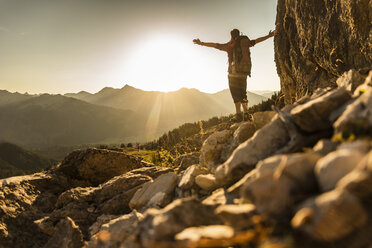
<point>318,41</point>
<point>95,166</point>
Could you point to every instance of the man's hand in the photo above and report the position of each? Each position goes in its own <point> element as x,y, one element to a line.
<point>272,33</point>
<point>197,41</point>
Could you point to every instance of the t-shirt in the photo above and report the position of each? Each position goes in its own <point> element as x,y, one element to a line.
<point>229,47</point>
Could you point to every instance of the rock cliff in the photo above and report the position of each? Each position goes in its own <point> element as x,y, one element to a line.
<point>318,41</point>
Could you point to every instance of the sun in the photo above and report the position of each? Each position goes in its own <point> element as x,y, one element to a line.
<point>166,63</point>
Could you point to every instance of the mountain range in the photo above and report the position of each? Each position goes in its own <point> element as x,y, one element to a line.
<point>15,160</point>
<point>108,116</point>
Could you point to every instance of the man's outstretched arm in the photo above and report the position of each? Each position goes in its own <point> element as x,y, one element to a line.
<point>271,34</point>
<point>208,44</point>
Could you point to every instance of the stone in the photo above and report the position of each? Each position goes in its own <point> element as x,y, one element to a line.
<point>264,143</point>
<point>206,182</point>
<point>243,132</point>
<point>331,168</point>
<point>359,181</point>
<point>350,80</point>
<point>93,229</point>
<point>161,225</point>
<point>188,178</point>
<point>314,115</point>
<point>210,153</point>
<point>357,118</point>
<point>266,166</point>
<point>67,235</point>
<point>260,119</point>
<point>94,166</point>
<point>186,160</point>
<point>165,183</point>
<point>330,216</point>
<point>276,191</point>
<point>237,216</point>
<point>318,41</point>
<point>195,234</point>
<point>218,197</point>
<point>115,232</point>
<point>325,146</point>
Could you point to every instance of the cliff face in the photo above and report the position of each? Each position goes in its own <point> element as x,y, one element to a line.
<point>319,40</point>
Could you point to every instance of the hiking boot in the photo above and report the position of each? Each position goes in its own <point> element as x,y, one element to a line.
<point>238,117</point>
<point>247,117</point>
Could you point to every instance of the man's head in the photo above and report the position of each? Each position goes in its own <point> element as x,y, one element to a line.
<point>235,33</point>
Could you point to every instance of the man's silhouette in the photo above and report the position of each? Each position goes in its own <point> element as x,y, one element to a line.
<point>239,67</point>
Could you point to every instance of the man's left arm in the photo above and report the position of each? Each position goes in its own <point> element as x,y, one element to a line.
<point>263,38</point>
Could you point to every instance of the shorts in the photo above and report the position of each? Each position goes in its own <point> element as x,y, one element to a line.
<point>238,88</point>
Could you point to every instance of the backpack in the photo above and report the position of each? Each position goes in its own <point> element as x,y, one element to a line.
<point>241,61</point>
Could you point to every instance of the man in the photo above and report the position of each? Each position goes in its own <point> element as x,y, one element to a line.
<point>239,67</point>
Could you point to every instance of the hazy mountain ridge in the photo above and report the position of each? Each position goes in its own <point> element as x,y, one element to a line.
<point>15,160</point>
<point>56,119</point>
<point>172,108</point>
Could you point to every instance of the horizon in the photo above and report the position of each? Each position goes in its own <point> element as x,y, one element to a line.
<point>62,47</point>
<point>77,92</point>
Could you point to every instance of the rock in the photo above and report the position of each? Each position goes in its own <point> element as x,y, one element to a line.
<point>184,161</point>
<point>243,132</point>
<point>94,166</point>
<point>314,115</point>
<point>219,197</point>
<point>210,153</point>
<point>357,118</point>
<point>237,216</point>
<point>165,183</point>
<point>193,235</point>
<point>93,229</point>
<point>337,164</point>
<point>260,119</point>
<point>266,166</point>
<point>350,80</point>
<point>274,192</point>
<point>188,177</point>
<point>115,232</point>
<point>160,226</point>
<point>67,235</point>
<point>330,216</point>
<point>359,181</point>
<point>325,146</point>
<point>318,41</point>
<point>264,143</point>
<point>206,182</point>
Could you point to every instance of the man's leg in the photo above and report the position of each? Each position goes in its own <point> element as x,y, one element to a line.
<point>238,108</point>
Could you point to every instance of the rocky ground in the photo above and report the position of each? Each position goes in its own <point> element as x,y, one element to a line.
<point>296,177</point>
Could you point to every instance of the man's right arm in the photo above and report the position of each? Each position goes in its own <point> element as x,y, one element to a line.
<point>209,44</point>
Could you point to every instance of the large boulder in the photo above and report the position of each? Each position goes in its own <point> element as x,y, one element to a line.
<point>278,190</point>
<point>330,216</point>
<point>94,166</point>
<point>318,41</point>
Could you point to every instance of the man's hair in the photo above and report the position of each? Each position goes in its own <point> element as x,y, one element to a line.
<point>235,33</point>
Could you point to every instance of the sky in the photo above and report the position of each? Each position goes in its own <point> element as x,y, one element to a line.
<point>65,46</point>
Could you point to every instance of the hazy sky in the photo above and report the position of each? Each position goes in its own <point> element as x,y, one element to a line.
<point>60,46</point>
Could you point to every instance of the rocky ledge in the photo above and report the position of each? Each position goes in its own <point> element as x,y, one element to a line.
<point>300,176</point>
